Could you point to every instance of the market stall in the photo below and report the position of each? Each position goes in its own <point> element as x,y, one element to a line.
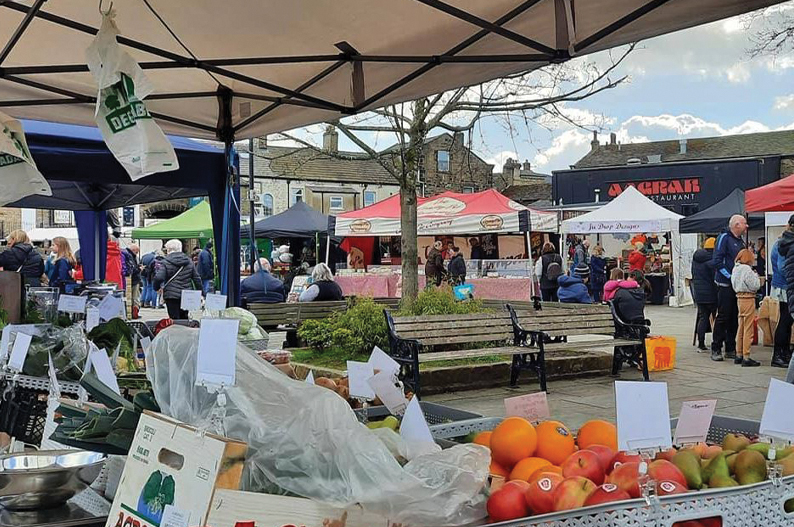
<point>633,213</point>
<point>487,224</point>
<point>196,222</point>
<point>714,219</point>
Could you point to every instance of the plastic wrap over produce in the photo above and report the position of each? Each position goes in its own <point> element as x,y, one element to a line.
<point>305,439</point>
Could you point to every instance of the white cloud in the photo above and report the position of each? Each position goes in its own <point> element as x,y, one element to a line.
<point>784,102</point>
<point>685,125</point>
<point>565,150</point>
<point>499,159</point>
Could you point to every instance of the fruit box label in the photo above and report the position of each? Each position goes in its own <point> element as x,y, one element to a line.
<point>172,466</point>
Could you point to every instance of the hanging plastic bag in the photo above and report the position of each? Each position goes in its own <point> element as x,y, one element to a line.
<point>137,142</point>
<point>19,176</point>
<point>306,440</point>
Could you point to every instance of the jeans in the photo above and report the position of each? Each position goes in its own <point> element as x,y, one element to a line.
<point>148,296</point>
<point>206,286</point>
<point>727,322</point>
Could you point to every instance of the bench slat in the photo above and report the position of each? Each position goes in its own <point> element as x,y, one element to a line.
<point>403,327</point>
<point>449,318</point>
<point>465,330</point>
<point>592,344</point>
<point>463,339</point>
<point>581,331</point>
<point>467,354</point>
<point>563,325</point>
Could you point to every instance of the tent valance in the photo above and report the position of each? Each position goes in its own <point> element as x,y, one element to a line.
<point>298,221</point>
<point>195,222</point>
<point>630,212</point>
<point>485,212</point>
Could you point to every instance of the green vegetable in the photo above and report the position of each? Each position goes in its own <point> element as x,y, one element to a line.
<point>151,491</point>
<point>110,334</point>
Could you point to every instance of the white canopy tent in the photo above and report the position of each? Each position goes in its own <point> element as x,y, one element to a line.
<point>632,212</point>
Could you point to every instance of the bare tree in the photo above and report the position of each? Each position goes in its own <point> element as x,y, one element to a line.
<point>771,31</point>
<point>525,97</point>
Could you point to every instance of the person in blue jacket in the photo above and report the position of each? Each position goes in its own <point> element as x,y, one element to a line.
<point>728,245</point>
<point>262,286</point>
<point>779,257</point>
<point>206,268</point>
<point>573,289</point>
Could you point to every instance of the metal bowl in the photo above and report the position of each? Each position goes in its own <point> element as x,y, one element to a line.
<point>35,480</point>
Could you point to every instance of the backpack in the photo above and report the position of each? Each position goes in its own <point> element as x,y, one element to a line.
<point>553,271</point>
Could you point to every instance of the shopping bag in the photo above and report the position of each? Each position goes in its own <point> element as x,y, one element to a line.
<point>463,291</point>
<point>172,472</point>
<point>135,140</point>
<point>660,352</point>
<point>19,176</point>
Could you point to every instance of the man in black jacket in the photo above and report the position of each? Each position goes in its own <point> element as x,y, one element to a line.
<point>176,273</point>
<point>785,247</point>
<point>728,245</point>
<point>457,267</point>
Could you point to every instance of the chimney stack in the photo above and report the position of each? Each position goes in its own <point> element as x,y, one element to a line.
<point>261,142</point>
<point>331,140</point>
<point>457,138</point>
<point>682,146</point>
<point>594,143</point>
<point>613,138</point>
<point>527,165</point>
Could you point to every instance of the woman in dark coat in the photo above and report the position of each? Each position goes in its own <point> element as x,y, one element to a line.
<point>434,268</point>
<point>23,258</point>
<point>598,273</point>
<point>704,290</point>
<point>457,267</point>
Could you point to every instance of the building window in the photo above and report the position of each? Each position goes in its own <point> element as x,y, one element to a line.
<point>267,205</point>
<point>61,217</point>
<point>369,198</point>
<point>468,190</point>
<point>128,217</point>
<point>336,203</point>
<point>442,160</point>
<point>296,195</point>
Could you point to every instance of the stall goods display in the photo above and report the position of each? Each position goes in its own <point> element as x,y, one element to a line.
<point>116,334</point>
<point>341,386</point>
<point>109,429</point>
<point>556,470</point>
<point>67,347</point>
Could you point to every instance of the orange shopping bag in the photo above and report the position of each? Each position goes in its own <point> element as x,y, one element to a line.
<point>661,353</point>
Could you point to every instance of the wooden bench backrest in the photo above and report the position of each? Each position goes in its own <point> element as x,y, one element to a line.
<point>431,330</point>
<point>270,315</point>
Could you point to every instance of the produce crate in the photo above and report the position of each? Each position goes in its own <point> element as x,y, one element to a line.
<point>435,414</point>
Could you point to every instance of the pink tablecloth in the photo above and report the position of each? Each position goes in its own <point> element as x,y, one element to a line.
<point>386,286</point>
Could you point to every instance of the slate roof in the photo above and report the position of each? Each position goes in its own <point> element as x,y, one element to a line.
<point>728,146</point>
<point>530,193</point>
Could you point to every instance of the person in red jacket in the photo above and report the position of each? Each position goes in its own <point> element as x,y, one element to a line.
<point>113,264</point>
<point>637,258</point>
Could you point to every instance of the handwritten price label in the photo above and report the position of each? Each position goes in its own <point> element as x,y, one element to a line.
<point>532,407</point>
<point>694,421</point>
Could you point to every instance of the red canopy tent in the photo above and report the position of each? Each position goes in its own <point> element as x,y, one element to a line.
<point>774,197</point>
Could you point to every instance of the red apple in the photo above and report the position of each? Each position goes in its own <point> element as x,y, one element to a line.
<point>605,456</point>
<point>520,484</point>
<point>507,503</point>
<point>666,488</point>
<point>623,457</point>
<point>584,463</point>
<point>605,494</point>
<point>540,495</point>
<point>688,523</point>
<point>663,470</point>
<point>626,476</point>
<point>572,492</point>
<point>666,454</point>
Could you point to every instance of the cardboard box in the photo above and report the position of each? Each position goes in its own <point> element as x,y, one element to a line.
<point>171,474</point>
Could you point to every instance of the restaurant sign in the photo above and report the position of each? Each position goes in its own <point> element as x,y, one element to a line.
<point>679,190</point>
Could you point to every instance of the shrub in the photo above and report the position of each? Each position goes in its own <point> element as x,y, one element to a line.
<point>355,331</point>
<point>441,301</point>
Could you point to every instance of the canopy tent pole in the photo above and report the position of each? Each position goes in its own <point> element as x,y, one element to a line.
<point>251,234</point>
<point>230,236</point>
<point>97,248</point>
<point>327,248</point>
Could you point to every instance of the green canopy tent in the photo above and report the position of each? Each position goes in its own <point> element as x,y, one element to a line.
<point>195,222</point>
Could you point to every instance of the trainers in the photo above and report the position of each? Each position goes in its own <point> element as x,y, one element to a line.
<point>716,356</point>
<point>749,363</point>
<point>730,354</point>
<point>738,359</point>
<point>778,362</point>
<point>702,347</point>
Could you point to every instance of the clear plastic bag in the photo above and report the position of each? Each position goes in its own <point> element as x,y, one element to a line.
<point>304,439</point>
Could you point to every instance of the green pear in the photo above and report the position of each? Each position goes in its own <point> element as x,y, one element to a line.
<point>718,466</point>
<point>783,453</point>
<point>789,506</point>
<point>392,423</point>
<point>730,457</point>
<point>735,442</point>
<point>689,465</point>
<point>750,467</point>
<point>372,425</point>
<point>720,481</point>
<point>788,465</point>
<point>763,448</point>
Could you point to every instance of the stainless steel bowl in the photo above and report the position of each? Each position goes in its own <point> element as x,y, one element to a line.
<point>35,480</point>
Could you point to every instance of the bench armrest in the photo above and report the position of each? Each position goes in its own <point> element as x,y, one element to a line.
<point>621,326</point>
<point>519,333</point>
<point>398,346</point>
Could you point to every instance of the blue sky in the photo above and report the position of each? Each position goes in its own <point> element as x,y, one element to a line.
<point>699,82</point>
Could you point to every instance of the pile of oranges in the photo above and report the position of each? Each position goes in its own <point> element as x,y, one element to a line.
<point>520,450</point>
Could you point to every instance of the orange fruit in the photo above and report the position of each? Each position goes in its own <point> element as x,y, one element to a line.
<point>497,470</point>
<point>483,438</point>
<point>597,432</point>
<point>553,469</point>
<point>526,467</point>
<point>555,442</point>
<point>513,440</point>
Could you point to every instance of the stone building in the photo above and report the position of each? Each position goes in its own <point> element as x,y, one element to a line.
<point>520,183</point>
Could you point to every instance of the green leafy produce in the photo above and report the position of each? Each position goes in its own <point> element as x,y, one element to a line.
<point>109,335</point>
<point>68,350</point>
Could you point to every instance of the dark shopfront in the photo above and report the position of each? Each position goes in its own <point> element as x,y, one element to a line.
<point>685,187</point>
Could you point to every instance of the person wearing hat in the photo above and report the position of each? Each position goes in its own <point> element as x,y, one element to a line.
<point>704,290</point>
<point>782,283</point>
<point>573,289</point>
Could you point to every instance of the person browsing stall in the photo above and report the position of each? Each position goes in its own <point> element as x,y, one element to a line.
<point>573,289</point>
<point>323,286</point>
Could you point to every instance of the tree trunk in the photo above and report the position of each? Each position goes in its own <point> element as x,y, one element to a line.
<point>410,271</point>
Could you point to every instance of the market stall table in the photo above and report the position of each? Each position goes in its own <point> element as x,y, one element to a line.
<point>388,286</point>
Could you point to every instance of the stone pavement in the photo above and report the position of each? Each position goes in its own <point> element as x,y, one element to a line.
<point>740,392</point>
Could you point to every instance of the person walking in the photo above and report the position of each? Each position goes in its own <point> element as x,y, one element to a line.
<point>62,265</point>
<point>133,269</point>
<point>175,274</point>
<point>781,354</point>
<point>745,283</point>
<point>434,267</point>
<point>598,273</point>
<point>457,267</point>
<point>23,258</point>
<point>580,254</point>
<point>727,247</point>
<point>148,296</point>
<point>573,289</point>
<point>548,270</point>
<point>704,290</point>
<point>206,268</point>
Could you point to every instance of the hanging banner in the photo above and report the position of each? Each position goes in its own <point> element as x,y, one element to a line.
<point>19,176</point>
<point>137,142</point>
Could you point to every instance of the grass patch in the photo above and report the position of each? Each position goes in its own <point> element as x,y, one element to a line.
<point>338,360</point>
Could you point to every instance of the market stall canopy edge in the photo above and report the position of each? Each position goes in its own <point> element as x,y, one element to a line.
<point>245,69</point>
<point>196,222</point>
<point>298,221</point>
<point>777,196</point>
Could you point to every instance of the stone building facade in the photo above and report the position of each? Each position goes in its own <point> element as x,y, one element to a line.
<point>447,164</point>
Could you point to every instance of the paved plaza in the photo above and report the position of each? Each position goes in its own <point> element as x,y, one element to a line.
<point>740,392</point>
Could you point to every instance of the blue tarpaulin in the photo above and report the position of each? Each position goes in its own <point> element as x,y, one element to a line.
<point>84,176</point>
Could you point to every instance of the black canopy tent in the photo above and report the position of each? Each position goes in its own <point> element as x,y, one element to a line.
<point>298,221</point>
<point>715,218</point>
